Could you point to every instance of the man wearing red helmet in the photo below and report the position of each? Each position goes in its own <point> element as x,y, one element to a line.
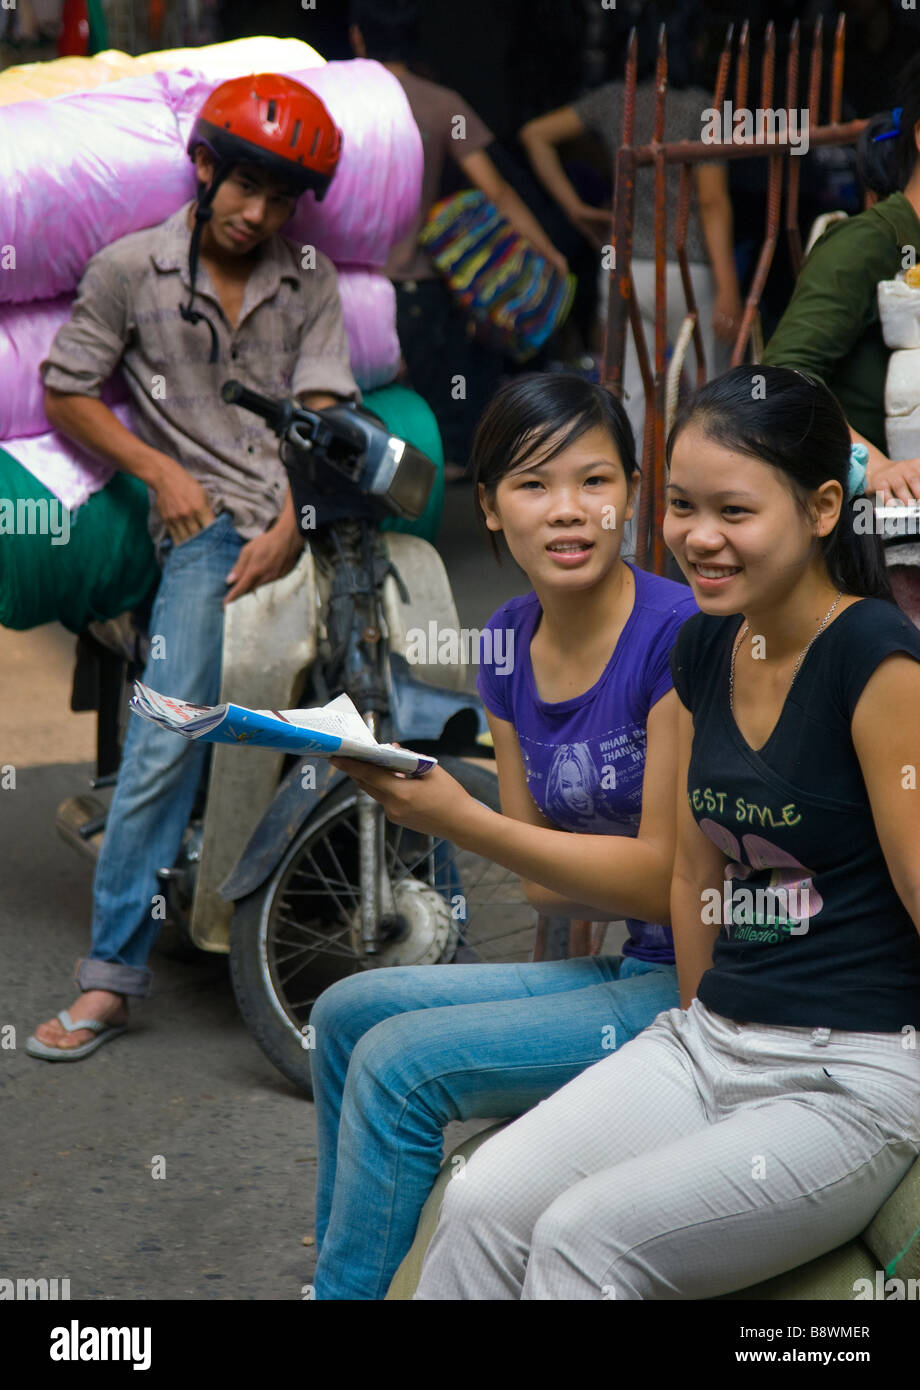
<point>221,513</point>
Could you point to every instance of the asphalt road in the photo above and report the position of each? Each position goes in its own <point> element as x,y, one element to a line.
<point>185,1092</point>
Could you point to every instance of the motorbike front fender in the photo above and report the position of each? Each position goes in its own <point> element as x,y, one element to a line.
<point>422,711</point>
<point>277,829</point>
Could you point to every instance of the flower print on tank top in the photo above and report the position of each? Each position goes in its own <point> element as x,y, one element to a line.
<point>782,905</point>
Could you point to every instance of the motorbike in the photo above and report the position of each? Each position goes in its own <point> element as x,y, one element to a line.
<point>285,865</point>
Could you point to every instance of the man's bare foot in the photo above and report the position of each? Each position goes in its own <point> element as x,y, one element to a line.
<point>97,1004</point>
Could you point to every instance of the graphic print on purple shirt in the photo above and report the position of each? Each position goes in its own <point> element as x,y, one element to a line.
<point>585,757</point>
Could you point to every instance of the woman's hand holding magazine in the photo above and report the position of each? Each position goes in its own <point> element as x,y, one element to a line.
<point>336,728</point>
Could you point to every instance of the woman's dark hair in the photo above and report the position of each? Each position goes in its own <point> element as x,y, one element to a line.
<point>789,420</point>
<point>878,161</point>
<point>527,412</point>
<point>390,28</point>
<point>909,101</point>
<point>886,151</point>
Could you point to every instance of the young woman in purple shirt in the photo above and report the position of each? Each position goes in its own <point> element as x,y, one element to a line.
<point>584,721</point>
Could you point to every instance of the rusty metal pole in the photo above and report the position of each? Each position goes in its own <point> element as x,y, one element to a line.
<point>680,245</point>
<point>837,70</point>
<point>793,235</point>
<point>774,197</point>
<point>655,482</point>
<point>624,180</point>
<point>744,59</point>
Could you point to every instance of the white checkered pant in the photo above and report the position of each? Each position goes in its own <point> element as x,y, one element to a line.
<point>704,1156</point>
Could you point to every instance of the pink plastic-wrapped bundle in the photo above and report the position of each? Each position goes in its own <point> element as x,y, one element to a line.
<point>373,198</point>
<point>69,471</point>
<point>369,310</point>
<point>78,173</point>
<point>27,332</point>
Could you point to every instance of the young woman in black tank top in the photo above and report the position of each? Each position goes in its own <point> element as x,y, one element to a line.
<point>766,1121</point>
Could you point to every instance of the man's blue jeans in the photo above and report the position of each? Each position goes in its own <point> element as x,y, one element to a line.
<point>400,1052</point>
<point>159,771</point>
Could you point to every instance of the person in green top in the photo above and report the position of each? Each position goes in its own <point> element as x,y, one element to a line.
<point>831,327</point>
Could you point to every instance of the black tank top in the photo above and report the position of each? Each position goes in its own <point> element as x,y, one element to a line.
<point>813,932</point>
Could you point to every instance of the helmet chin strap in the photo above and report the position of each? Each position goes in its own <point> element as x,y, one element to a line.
<point>203,214</point>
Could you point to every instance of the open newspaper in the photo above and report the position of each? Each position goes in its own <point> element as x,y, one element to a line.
<point>334,729</point>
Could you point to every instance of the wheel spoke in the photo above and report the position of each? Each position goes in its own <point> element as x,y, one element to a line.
<point>333,895</point>
<point>394,841</point>
<point>298,948</point>
<point>328,951</point>
<point>351,887</point>
<point>344,887</point>
<point>318,943</point>
<point>303,1004</point>
<point>305,927</point>
<point>410,868</point>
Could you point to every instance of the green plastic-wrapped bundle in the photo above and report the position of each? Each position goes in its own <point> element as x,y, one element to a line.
<point>71,567</point>
<point>96,562</point>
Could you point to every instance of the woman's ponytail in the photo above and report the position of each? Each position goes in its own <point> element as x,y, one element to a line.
<point>855,555</point>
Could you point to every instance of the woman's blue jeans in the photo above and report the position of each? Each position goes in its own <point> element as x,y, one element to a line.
<point>160,771</point>
<point>400,1052</point>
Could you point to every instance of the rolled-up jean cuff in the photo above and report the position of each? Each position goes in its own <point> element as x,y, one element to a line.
<point>118,979</point>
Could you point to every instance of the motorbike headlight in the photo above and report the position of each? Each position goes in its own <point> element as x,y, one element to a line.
<point>401,475</point>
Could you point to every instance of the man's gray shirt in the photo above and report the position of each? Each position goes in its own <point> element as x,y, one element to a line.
<point>290,339</point>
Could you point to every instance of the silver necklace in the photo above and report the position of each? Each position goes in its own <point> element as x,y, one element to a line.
<point>802,655</point>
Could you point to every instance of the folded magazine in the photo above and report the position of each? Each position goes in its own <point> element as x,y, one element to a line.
<point>336,729</point>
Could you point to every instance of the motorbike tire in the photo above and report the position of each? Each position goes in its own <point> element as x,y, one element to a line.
<point>492,920</point>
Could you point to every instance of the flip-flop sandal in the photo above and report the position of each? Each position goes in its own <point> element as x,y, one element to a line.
<point>104,1031</point>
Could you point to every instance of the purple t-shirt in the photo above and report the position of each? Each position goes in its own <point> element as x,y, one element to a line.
<point>585,757</point>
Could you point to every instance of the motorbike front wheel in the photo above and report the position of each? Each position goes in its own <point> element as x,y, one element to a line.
<point>301,932</point>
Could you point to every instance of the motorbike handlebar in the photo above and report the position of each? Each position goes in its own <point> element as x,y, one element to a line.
<point>334,431</point>
<point>274,412</point>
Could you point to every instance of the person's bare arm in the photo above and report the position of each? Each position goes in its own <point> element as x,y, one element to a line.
<point>318,400</point>
<point>275,553</point>
<point>480,170</point>
<point>884,728</point>
<point>698,865</point>
<point>890,478</point>
<point>540,137</point>
<point>181,500</point>
<point>717,221</point>
<point>656,824</point>
<point>605,876</point>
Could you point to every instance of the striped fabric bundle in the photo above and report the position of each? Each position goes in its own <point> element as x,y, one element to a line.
<point>515,298</point>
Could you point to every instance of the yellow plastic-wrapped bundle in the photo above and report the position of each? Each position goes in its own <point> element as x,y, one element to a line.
<point>63,76</point>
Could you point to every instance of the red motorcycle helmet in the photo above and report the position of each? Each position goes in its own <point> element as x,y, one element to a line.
<point>268,120</point>
<point>272,121</point>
